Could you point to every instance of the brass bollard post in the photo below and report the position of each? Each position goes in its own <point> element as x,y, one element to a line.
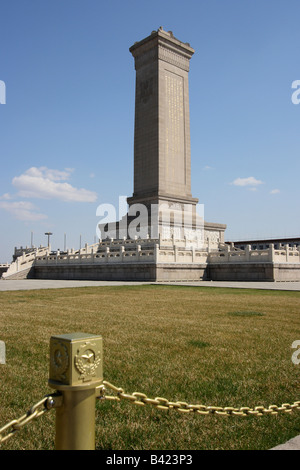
<point>76,371</point>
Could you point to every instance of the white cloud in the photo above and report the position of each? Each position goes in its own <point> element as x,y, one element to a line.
<point>22,210</point>
<point>43,183</point>
<point>250,181</point>
<point>53,175</point>
<point>275,191</point>
<point>6,197</point>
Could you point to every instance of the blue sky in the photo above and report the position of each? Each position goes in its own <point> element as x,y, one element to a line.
<point>66,128</point>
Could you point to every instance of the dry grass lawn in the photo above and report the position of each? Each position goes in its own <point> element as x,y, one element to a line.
<point>211,346</point>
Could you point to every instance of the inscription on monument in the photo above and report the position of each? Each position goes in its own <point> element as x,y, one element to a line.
<point>174,141</point>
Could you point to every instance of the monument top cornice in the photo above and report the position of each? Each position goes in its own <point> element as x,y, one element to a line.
<point>165,39</point>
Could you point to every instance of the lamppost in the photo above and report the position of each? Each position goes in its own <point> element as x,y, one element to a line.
<point>48,233</point>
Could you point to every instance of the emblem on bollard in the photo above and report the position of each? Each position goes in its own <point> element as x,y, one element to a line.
<point>59,361</point>
<point>75,360</point>
<point>87,362</point>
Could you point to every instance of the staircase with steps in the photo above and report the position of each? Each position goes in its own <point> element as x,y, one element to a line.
<point>21,268</point>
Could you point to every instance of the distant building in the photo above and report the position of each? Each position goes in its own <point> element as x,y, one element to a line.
<point>262,244</point>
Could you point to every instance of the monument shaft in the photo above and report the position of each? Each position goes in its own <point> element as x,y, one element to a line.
<point>162,154</point>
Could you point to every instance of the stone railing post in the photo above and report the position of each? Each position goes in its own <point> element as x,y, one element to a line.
<point>248,252</point>
<point>271,253</point>
<point>287,252</point>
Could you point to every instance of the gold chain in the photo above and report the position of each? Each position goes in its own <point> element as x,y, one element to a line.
<point>34,412</point>
<point>140,399</point>
<point>160,403</point>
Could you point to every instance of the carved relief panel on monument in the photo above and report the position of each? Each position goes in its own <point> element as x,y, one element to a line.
<point>213,238</point>
<point>145,90</point>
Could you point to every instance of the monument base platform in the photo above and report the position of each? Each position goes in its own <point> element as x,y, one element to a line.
<point>134,272</point>
<point>159,260</point>
<point>170,272</point>
<point>241,272</point>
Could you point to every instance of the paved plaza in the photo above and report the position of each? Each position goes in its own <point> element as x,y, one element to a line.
<point>28,284</point>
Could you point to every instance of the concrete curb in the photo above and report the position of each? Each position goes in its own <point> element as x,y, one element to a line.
<point>292,444</point>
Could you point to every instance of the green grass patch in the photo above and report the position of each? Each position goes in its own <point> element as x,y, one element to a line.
<point>180,343</point>
<point>197,343</point>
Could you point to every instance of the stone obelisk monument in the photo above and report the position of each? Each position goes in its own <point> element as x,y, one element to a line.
<point>162,150</point>
<point>162,154</point>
